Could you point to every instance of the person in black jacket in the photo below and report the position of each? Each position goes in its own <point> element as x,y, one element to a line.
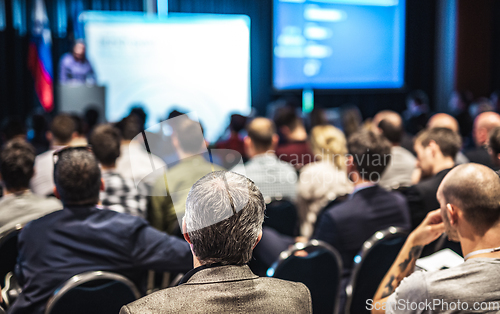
<point>436,150</point>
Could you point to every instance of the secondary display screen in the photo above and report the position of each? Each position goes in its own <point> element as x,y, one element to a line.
<point>339,44</point>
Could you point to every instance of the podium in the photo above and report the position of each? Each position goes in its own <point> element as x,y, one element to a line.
<point>72,98</point>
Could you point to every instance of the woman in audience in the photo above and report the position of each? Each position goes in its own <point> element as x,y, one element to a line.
<point>325,179</point>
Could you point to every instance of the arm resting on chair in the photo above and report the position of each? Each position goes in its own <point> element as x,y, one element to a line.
<point>429,230</point>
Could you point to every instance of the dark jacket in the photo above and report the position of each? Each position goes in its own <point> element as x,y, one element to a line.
<point>346,226</point>
<point>74,240</point>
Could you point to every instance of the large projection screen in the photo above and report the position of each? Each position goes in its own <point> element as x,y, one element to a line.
<point>339,44</point>
<point>196,63</point>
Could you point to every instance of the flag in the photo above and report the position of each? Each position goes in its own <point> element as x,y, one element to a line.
<point>40,55</point>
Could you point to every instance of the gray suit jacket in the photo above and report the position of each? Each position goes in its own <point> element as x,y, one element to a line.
<point>226,289</point>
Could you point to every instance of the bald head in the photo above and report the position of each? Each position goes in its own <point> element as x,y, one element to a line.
<point>262,132</point>
<point>475,189</point>
<point>443,120</point>
<point>390,116</point>
<point>483,124</point>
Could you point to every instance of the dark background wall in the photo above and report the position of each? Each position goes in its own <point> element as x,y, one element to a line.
<point>16,86</point>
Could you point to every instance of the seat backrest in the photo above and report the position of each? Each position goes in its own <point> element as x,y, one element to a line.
<point>320,271</point>
<point>8,251</point>
<point>281,215</point>
<point>370,266</point>
<point>92,292</point>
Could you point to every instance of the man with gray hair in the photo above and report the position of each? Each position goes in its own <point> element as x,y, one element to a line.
<point>223,223</point>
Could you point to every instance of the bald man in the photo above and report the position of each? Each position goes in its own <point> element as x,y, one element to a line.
<point>483,125</point>
<point>399,172</point>
<point>469,198</point>
<point>274,178</point>
<point>443,120</point>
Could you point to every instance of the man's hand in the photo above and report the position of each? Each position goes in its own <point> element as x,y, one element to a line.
<point>429,230</point>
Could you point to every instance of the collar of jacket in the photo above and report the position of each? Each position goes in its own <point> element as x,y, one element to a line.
<point>217,272</point>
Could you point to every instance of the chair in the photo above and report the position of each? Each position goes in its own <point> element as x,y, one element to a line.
<point>320,271</point>
<point>8,251</point>
<point>281,215</point>
<point>371,265</point>
<point>96,292</point>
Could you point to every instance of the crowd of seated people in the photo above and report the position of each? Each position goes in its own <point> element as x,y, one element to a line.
<point>108,197</point>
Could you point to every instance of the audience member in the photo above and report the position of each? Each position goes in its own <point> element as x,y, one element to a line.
<point>370,208</point>
<point>19,205</point>
<point>135,162</point>
<point>62,133</point>
<point>119,194</point>
<point>170,191</point>
<point>223,221</point>
<point>81,138</point>
<point>443,120</point>
<point>351,119</point>
<point>83,237</point>
<point>459,108</point>
<point>13,128</point>
<point>91,118</point>
<point>436,150</point>
<point>322,181</point>
<point>494,147</point>
<point>417,112</point>
<point>273,177</point>
<point>483,124</point>
<point>400,170</point>
<point>469,213</point>
<point>294,148</point>
<point>39,138</point>
<point>235,141</point>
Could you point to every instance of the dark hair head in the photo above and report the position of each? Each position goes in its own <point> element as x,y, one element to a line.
<point>261,131</point>
<point>105,141</point>
<point>91,116</point>
<point>475,189</point>
<point>371,153</point>
<point>14,127</point>
<point>62,128</point>
<point>495,140</point>
<point>238,122</point>
<point>188,136</point>
<point>77,177</point>
<point>392,132</point>
<point>78,123</point>
<point>129,127</point>
<point>16,164</point>
<point>449,142</point>
<point>224,216</point>
<point>286,116</point>
<point>139,112</point>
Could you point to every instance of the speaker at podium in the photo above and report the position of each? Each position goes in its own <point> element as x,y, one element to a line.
<point>76,98</point>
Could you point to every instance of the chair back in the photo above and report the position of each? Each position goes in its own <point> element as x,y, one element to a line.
<point>320,271</point>
<point>370,267</point>
<point>8,251</point>
<point>281,215</point>
<point>96,292</point>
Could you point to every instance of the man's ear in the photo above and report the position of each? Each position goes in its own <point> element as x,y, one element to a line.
<point>258,239</point>
<point>102,187</point>
<point>56,193</point>
<point>452,213</point>
<point>275,141</point>
<point>184,231</point>
<point>49,136</point>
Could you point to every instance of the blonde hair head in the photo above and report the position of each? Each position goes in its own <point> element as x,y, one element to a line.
<point>329,144</point>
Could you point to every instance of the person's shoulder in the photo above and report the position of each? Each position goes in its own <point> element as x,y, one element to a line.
<point>67,57</point>
<point>285,286</point>
<point>163,301</point>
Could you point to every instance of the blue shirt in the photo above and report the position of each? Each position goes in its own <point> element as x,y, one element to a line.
<point>72,71</point>
<point>74,240</point>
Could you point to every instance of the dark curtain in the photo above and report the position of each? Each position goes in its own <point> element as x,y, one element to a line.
<point>16,86</point>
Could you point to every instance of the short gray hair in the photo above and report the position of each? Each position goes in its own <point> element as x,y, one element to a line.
<point>224,216</point>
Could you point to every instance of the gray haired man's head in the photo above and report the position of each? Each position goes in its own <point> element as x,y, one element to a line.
<point>223,219</point>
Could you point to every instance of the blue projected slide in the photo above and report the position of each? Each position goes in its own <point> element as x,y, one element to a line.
<point>339,44</point>
<point>197,63</point>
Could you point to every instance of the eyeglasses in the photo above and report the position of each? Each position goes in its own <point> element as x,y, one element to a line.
<point>59,152</point>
